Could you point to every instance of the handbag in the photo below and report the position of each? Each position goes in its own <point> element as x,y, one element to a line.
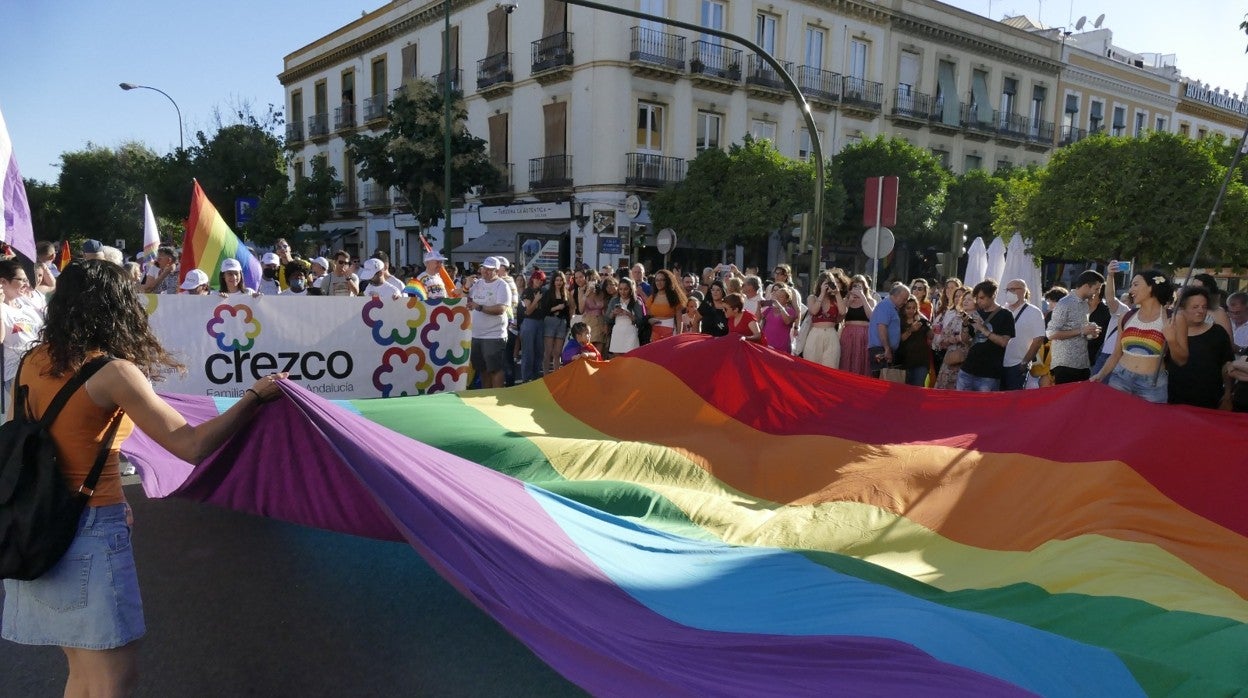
<point>803,331</point>
<point>893,375</point>
<point>38,513</point>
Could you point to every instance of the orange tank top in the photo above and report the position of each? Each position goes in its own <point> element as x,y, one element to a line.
<point>78,430</point>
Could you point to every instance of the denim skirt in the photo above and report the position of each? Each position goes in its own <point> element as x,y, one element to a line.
<point>89,599</point>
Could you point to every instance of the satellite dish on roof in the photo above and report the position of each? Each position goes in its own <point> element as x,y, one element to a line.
<point>1099,21</point>
<point>1079,25</point>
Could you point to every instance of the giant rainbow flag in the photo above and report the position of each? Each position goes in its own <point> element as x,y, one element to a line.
<point>209,241</point>
<point>708,517</point>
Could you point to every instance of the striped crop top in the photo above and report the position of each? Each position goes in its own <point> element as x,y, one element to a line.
<point>1140,338</point>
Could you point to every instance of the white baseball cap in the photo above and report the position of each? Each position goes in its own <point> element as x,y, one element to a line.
<point>321,262</point>
<point>194,279</point>
<point>231,264</point>
<point>371,267</point>
<point>270,258</point>
<point>503,261</point>
<point>490,263</point>
<point>434,256</point>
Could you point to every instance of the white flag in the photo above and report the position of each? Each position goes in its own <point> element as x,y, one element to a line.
<point>151,236</point>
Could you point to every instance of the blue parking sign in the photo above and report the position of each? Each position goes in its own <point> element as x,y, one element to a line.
<point>245,209</point>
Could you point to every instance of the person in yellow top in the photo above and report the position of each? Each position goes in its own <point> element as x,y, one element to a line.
<point>666,305</point>
<point>99,634</point>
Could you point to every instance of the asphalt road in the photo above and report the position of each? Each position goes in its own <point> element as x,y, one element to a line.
<point>239,605</point>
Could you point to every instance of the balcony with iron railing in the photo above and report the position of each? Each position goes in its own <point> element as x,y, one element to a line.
<point>494,72</point>
<point>1011,127</point>
<point>398,197</point>
<point>977,121</point>
<point>911,105</point>
<point>1040,135</point>
<point>818,84</point>
<point>657,53</point>
<point>344,202</point>
<point>294,132</point>
<point>375,196</point>
<point>344,117</point>
<point>550,172</point>
<point>1072,135</point>
<point>375,107</point>
<point>318,126</point>
<point>760,74</point>
<point>456,77</point>
<point>712,60</point>
<point>652,171</point>
<point>552,52</point>
<point>862,95</point>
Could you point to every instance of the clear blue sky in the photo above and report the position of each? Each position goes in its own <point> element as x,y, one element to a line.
<point>61,60</point>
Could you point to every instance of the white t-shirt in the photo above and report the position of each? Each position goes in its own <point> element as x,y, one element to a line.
<point>23,322</point>
<point>1028,324</point>
<point>334,285</point>
<point>389,287</point>
<point>1111,335</point>
<point>269,287</point>
<point>435,287</point>
<point>486,293</point>
<point>1240,336</point>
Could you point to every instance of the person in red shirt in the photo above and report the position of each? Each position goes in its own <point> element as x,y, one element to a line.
<point>741,321</point>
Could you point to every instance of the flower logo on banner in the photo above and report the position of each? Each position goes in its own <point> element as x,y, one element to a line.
<point>234,327</point>
<point>403,371</point>
<point>443,335</point>
<point>449,379</point>
<point>403,334</point>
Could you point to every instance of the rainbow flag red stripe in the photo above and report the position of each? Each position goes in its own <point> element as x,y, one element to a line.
<point>209,241</point>
<point>708,517</point>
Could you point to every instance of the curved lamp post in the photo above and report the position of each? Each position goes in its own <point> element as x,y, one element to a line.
<point>131,86</point>
<point>804,108</point>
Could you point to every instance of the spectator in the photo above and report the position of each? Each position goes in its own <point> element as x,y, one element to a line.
<point>284,258</point>
<point>92,249</point>
<point>318,268</point>
<point>45,258</point>
<point>339,281</point>
<point>20,323</point>
<point>133,270</point>
<point>920,291</point>
<point>1051,299</point>
<point>713,310</point>
<point>856,329</point>
<point>162,275</point>
<point>914,353</point>
<point>884,335</point>
<point>946,301</point>
<point>626,314</point>
<point>231,278</point>
<point>296,278</point>
<point>1116,309</point>
<point>665,306</point>
<point>1069,330</point>
<point>1237,311</point>
<point>1216,312</point>
<point>783,273</point>
<point>993,327</point>
<point>196,283</point>
<point>690,283</point>
<point>741,321</point>
<point>778,316</point>
<point>532,327</point>
<point>488,301</point>
<point>751,289</point>
<point>1203,378</point>
<point>377,279</point>
<point>579,346</point>
<point>691,320</point>
<point>954,339</point>
<point>557,301</point>
<point>826,307</point>
<point>1136,366</point>
<point>638,275</point>
<point>270,267</point>
<point>593,304</point>
<point>1029,335</point>
<point>513,326</point>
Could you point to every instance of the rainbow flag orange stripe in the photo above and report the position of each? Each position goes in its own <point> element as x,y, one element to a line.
<point>209,241</point>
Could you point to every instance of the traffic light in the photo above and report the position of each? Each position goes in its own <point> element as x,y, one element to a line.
<point>639,236</point>
<point>959,239</point>
<point>945,265</point>
<point>796,234</point>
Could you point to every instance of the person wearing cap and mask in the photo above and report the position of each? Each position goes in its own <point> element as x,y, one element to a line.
<point>377,279</point>
<point>269,284</point>
<point>436,279</point>
<point>196,283</point>
<point>296,279</point>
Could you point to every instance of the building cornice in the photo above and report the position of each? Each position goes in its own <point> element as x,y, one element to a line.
<point>924,29</point>
<point>1082,77</point>
<point>1211,113</point>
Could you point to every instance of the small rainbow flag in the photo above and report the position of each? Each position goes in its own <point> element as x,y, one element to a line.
<point>64,256</point>
<point>416,289</point>
<point>209,240</point>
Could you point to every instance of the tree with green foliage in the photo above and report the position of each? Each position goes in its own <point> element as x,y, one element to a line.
<point>101,192</point>
<point>742,196</point>
<point>45,209</point>
<point>969,199</point>
<point>920,195</point>
<point>1144,198</point>
<point>409,155</point>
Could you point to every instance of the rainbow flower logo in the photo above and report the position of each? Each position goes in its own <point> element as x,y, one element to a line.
<point>234,327</point>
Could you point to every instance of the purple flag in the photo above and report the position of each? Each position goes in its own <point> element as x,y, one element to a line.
<point>14,209</point>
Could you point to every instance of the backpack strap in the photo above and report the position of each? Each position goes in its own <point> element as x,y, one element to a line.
<point>97,469</point>
<point>54,408</point>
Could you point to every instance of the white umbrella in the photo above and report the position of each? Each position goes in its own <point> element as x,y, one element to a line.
<point>1021,265</point>
<point>976,263</point>
<point>996,261</point>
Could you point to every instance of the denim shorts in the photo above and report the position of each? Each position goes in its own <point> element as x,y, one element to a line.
<point>1153,387</point>
<point>554,326</point>
<point>90,599</point>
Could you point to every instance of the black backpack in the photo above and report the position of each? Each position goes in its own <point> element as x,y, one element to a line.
<point>38,512</point>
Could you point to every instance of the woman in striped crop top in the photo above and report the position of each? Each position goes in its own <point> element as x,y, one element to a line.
<point>1144,336</point>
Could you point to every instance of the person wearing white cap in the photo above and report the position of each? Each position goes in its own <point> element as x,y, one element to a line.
<point>196,283</point>
<point>232,278</point>
<point>488,300</point>
<point>377,280</point>
<point>513,327</point>
<point>435,278</point>
<point>317,270</point>
<point>269,284</point>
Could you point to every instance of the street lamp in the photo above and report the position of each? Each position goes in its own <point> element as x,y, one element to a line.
<point>131,86</point>
<point>803,107</point>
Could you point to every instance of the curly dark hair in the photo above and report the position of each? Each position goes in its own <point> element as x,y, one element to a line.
<point>672,289</point>
<point>95,309</point>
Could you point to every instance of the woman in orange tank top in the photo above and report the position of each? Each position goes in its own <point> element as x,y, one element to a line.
<point>95,312</point>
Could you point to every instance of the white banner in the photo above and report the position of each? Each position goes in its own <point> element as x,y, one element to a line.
<point>339,347</point>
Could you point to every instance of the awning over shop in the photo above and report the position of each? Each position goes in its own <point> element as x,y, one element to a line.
<point>492,243</point>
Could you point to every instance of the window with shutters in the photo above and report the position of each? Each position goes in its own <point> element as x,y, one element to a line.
<point>765,31</point>
<point>408,58</point>
<point>649,127</point>
<point>858,59</point>
<point>762,129</point>
<point>1120,121</point>
<point>816,37</point>
<point>709,126</point>
<point>1096,116</point>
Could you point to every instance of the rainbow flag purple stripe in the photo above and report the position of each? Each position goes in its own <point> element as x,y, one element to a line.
<point>17,229</point>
